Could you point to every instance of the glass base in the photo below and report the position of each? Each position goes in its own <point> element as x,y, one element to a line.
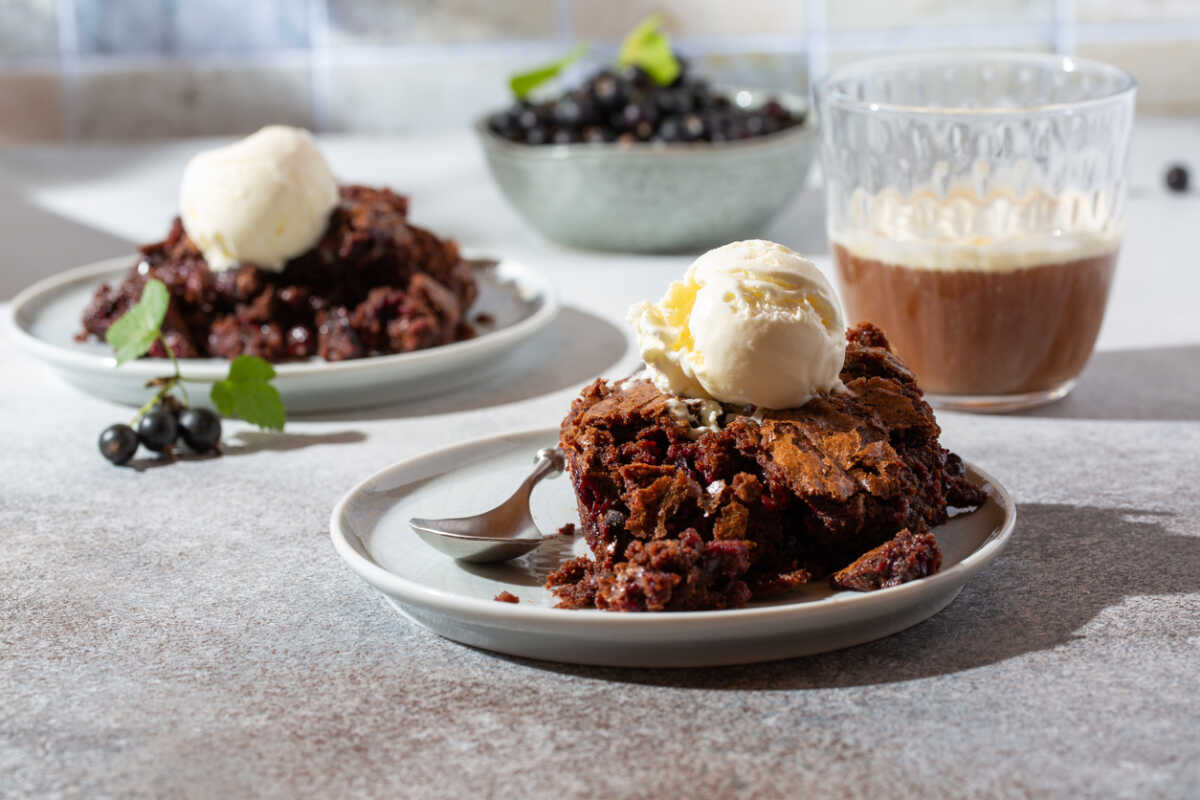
<point>999,403</point>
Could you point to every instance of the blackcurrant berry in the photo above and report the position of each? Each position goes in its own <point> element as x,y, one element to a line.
<point>693,127</point>
<point>669,131</point>
<point>537,135</point>
<point>568,112</point>
<point>670,101</point>
<point>564,136</point>
<point>609,91</point>
<point>1178,178</point>
<point>596,134</point>
<point>634,114</point>
<point>157,430</point>
<point>118,443</point>
<point>637,78</point>
<point>503,123</point>
<point>527,118</point>
<point>199,428</point>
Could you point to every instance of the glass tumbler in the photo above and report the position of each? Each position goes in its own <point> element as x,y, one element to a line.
<point>975,209</point>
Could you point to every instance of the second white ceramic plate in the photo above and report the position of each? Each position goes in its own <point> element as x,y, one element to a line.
<point>370,532</point>
<point>46,317</point>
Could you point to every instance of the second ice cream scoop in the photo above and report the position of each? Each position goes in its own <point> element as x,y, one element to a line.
<point>261,200</point>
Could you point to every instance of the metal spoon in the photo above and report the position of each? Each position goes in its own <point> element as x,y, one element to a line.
<point>505,532</point>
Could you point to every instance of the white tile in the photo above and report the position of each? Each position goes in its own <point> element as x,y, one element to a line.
<point>757,70</point>
<point>1136,10</point>
<point>238,25</point>
<point>876,14</point>
<point>1166,72</point>
<point>394,21</point>
<point>178,100</point>
<point>613,19</point>
<point>842,56</point>
<point>28,29</point>
<point>30,106</point>
<point>384,95</point>
<point>122,26</point>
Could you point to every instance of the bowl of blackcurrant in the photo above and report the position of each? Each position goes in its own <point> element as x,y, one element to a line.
<point>624,163</point>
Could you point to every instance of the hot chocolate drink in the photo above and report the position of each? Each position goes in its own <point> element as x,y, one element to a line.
<point>1006,329</point>
<point>982,296</point>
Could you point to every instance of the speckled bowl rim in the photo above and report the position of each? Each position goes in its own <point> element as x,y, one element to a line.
<point>506,614</point>
<point>769,141</point>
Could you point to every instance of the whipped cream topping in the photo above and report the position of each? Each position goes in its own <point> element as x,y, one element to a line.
<point>999,232</point>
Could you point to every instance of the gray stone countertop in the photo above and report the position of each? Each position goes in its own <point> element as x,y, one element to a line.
<point>188,631</point>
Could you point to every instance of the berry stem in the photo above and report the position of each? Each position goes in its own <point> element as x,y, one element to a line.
<point>170,383</point>
<point>187,400</point>
<point>155,400</point>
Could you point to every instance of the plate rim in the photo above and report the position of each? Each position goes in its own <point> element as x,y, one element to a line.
<point>489,611</point>
<point>215,369</point>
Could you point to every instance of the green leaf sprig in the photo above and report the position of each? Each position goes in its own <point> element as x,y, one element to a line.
<point>525,82</point>
<point>649,48</point>
<point>246,392</point>
<point>646,47</point>
<point>140,327</point>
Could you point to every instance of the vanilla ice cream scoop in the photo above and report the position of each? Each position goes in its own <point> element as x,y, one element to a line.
<point>262,200</point>
<point>751,323</point>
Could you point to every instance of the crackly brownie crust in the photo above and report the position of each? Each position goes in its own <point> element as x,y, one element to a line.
<point>760,506</point>
<point>373,284</point>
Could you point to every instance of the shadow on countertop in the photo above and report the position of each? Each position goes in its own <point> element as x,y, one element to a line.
<point>1064,565</point>
<point>574,348</point>
<point>1159,383</point>
<point>246,442</point>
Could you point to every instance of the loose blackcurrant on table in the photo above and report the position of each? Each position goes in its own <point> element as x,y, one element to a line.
<point>1178,178</point>
<point>200,429</point>
<point>118,443</point>
<point>158,429</point>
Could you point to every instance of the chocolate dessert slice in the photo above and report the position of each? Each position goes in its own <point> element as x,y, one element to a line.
<point>679,518</point>
<point>373,284</point>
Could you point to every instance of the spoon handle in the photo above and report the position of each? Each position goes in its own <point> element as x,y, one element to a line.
<point>548,462</point>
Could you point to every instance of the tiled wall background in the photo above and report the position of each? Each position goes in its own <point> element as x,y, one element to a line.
<point>122,69</point>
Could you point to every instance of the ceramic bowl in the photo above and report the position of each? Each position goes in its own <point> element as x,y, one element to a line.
<point>654,196</point>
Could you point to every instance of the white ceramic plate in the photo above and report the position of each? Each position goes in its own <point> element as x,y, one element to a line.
<point>370,531</point>
<point>46,317</point>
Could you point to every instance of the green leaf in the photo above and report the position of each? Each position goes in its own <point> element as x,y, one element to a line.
<point>649,48</point>
<point>251,369</point>
<point>524,83</point>
<point>248,394</point>
<point>134,333</point>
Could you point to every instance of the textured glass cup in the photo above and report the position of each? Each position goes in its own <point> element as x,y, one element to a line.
<point>975,210</point>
